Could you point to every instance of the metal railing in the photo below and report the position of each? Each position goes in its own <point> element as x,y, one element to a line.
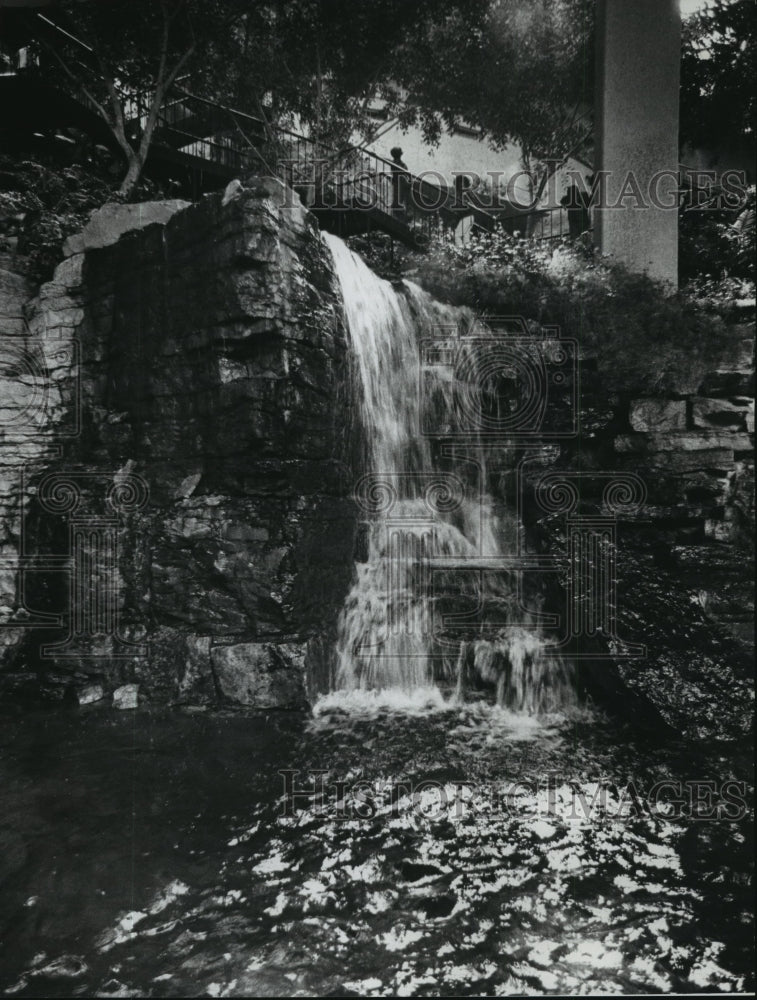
<point>352,179</point>
<point>556,223</point>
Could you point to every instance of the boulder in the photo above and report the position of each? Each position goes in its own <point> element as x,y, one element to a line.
<point>682,442</point>
<point>261,675</point>
<point>655,415</point>
<point>713,413</point>
<point>196,682</point>
<point>90,693</point>
<point>126,696</point>
<point>108,224</point>
<point>206,353</point>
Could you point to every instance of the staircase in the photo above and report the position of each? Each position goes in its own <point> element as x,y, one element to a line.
<point>201,145</point>
<point>351,191</point>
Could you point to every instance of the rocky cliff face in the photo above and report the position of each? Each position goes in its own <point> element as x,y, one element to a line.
<point>685,590</point>
<point>184,483</point>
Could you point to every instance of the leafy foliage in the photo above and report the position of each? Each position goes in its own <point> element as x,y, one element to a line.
<point>645,339</point>
<point>319,64</point>
<point>519,70</point>
<point>122,58</point>
<point>718,244</point>
<point>522,72</point>
<point>719,74</point>
<point>43,201</point>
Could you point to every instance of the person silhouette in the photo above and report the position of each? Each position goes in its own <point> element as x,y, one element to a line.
<point>577,204</point>
<point>400,182</point>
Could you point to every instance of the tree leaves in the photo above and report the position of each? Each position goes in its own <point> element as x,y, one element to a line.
<point>718,75</point>
<point>517,70</point>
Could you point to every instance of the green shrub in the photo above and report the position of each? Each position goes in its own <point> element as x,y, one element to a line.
<point>645,339</point>
<point>44,200</point>
<point>386,257</point>
<point>41,203</point>
<point>717,244</point>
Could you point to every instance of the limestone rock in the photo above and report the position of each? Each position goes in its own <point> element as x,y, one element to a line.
<point>188,486</point>
<point>712,413</point>
<point>233,190</point>
<point>717,462</point>
<point>728,383</point>
<point>108,224</point>
<point>91,693</point>
<point>656,415</point>
<point>261,675</point>
<point>682,442</point>
<point>126,696</point>
<point>196,683</point>
<point>233,406</point>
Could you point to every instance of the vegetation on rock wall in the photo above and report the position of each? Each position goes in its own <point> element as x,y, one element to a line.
<point>646,340</point>
<point>44,200</point>
<point>717,244</point>
<point>41,203</point>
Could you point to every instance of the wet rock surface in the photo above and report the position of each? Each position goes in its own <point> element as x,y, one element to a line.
<point>261,675</point>
<point>126,696</point>
<point>684,591</point>
<point>90,693</point>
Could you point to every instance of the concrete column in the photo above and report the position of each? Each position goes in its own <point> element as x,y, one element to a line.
<point>638,45</point>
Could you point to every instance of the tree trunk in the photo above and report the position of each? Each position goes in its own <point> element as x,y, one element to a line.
<point>133,173</point>
<point>136,152</point>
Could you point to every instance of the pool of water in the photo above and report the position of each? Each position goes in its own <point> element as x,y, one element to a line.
<point>417,849</point>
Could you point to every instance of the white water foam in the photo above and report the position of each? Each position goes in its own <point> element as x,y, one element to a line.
<point>359,701</point>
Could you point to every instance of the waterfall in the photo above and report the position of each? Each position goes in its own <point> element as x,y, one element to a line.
<point>428,514</point>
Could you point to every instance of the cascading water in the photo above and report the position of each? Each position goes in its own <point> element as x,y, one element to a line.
<point>427,508</point>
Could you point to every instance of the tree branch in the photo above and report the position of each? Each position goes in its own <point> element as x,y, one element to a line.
<point>118,124</point>
<point>253,147</point>
<point>111,122</point>
<point>163,81</point>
